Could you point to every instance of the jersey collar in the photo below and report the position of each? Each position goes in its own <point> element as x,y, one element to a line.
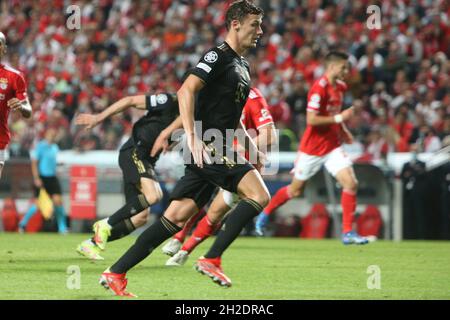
<point>234,52</point>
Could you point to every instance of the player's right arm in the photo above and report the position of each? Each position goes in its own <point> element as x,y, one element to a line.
<point>91,120</point>
<point>313,119</point>
<point>315,100</point>
<point>186,101</point>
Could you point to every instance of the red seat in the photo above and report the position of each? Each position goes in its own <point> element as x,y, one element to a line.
<point>369,223</point>
<point>315,224</point>
<point>9,215</point>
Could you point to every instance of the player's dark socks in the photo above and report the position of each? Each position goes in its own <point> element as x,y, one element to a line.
<point>122,229</point>
<point>131,208</point>
<point>151,238</point>
<point>245,211</point>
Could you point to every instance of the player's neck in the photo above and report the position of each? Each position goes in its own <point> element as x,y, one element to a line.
<point>233,42</point>
<point>332,79</point>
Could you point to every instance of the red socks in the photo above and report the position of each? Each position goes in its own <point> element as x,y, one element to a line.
<point>348,203</point>
<point>204,229</point>
<point>180,236</point>
<point>280,198</point>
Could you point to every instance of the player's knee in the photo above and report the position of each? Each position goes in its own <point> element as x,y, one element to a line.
<point>140,219</point>
<point>153,197</point>
<point>351,185</point>
<point>295,192</point>
<point>263,198</point>
<point>178,218</point>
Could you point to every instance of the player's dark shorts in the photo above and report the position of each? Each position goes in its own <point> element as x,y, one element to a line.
<point>133,169</point>
<point>50,184</point>
<point>199,184</point>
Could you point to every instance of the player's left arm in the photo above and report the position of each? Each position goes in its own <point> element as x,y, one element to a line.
<point>346,136</point>
<point>20,101</point>
<point>252,148</point>
<point>266,137</point>
<point>162,142</point>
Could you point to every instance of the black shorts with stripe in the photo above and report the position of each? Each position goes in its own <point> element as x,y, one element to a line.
<point>50,184</point>
<point>199,184</point>
<point>133,169</point>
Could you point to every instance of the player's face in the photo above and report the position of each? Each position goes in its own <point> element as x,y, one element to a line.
<point>341,69</point>
<point>250,30</point>
<point>2,50</point>
<point>50,135</point>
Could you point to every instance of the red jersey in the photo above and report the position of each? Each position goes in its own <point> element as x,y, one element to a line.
<point>256,111</point>
<point>325,100</point>
<point>12,85</point>
<point>255,114</point>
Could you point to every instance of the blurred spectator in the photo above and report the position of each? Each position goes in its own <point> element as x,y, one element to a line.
<point>130,47</point>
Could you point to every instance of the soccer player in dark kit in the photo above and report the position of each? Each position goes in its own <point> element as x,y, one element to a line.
<point>213,94</point>
<point>141,187</point>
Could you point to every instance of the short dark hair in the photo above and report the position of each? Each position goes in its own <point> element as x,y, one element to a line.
<point>333,56</point>
<point>238,10</point>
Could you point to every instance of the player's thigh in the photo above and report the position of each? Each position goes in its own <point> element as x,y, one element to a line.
<point>151,190</point>
<point>193,186</point>
<point>218,207</point>
<point>230,198</point>
<point>307,166</point>
<point>140,219</point>
<point>253,187</point>
<point>180,210</point>
<point>339,164</point>
<point>347,179</point>
<point>4,155</point>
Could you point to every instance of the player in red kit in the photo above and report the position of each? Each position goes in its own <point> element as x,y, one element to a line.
<point>13,96</point>
<point>258,122</point>
<point>321,145</point>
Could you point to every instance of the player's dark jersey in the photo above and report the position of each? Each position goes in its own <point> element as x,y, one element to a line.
<point>227,85</point>
<point>162,109</point>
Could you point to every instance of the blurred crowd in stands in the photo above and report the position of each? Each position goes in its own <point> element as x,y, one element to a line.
<point>399,80</point>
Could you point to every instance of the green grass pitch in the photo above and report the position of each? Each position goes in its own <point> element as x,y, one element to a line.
<point>37,266</point>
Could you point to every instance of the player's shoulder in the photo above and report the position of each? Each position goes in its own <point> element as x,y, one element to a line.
<point>341,85</point>
<point>321,83</point>
<point>254,94</point>
<point>215,54</point>
<point>12,70</point>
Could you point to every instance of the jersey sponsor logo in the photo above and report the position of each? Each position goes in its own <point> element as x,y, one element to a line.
<point>265,115</point>
<point>3,83</point>
<point>211,57</point>
<point>161,98</point>
<point>252,95</point>
<point>314,101</point>
<point>204,67</point>
<point>315,98</point>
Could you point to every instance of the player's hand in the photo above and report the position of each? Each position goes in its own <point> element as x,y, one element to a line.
<point>261,161</point>
<point>347,137</point>
<point>161,144</point>
<point>88,120</point>
<point>14,104</point>
<point>348,113</point>
<point>197,149</point>
<point>38,182</point>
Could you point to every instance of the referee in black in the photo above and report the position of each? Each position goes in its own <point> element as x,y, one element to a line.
<point>213,94</point>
